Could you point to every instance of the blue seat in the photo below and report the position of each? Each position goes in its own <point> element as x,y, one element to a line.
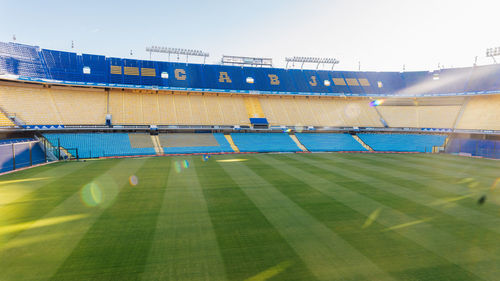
<point>264,142</point>
<point>98,144</point>
<point>329,142</point>
<point>402,142</point>
<point>224,146</point>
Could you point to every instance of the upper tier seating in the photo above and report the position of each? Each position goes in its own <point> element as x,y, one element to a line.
<point>329,142</point>
<point>98,144</point>
<point>402,142</point>
<point>20,59</point>
<point>264,142</point>
<point>194,143</point>
<point>314,111</point>
<point>33,62</point>
<point>129,107</point>
<point>36,105</point>
<point>420,116</point>
<point>5,121</point>
<point>481,112</point>
<point>54,106</point>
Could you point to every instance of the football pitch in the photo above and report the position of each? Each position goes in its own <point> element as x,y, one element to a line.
<point>325,216</point>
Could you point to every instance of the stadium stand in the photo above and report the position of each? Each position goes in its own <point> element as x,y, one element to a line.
<point>315,111</point>
<point>48,87</point>
<point>402,142</point>
<point>21,59</point>
<point>91,145</point>
<point>7,141</point>
<point>31,62</point>
<point>481,112</point>
<point>194,143</point>
<point>5,121</point>
<point>329,142</point>
<point>36,105</point>
<point>151,108</point>
<point>474,147</point>
<point>20,153</point>
<point>420,116</point>
<point>264,142</point>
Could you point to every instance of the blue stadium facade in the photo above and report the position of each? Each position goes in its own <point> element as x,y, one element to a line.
<point>34,64</point>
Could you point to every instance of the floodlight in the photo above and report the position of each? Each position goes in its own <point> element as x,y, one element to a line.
<point>317,61</point>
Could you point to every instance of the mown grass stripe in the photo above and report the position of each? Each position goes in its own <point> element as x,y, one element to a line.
<point>12,189</point>
<point>249,244</point>
<point>327,255</point>
<point>428,169</point>
<point>473,259</point>
<point>131,220</point>
<point>38,251</point>
<point>427,177</point>
<point>445,168</point>
<point>461,160</point>
<point>184,245</point>
<point>36,204</point>
<point>403,190</point>
<point>474,235</point>
<point>392,251</point>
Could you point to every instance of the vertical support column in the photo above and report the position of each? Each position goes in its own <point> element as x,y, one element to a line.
<point>13,157</point>
<point>59,149</point>
<point>31,156</point>
<point>45,150</point>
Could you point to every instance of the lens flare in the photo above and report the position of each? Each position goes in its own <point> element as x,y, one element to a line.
<point>185,164</point>
<point>177,167</point>
<point>91,195</point>
<point>133,180</point>
<point>376,103</point>
<point>231,160</point>
<point>466,180</point>
<point>495,184</point>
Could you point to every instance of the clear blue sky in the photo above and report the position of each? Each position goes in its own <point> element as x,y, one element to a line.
<point>383,34</point>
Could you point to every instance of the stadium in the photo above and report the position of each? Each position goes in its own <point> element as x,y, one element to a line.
<point>126,169</point>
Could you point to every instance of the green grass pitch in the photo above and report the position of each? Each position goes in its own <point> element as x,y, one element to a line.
<point>326,216</point>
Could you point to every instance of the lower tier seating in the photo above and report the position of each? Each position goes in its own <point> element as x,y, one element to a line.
<point>484,148</point>
<point>17,154</point>
<point>329,142</point>
<point>194,143</point>
<point>98,144</point>
<point>402,142</point>
<point>264,142</point>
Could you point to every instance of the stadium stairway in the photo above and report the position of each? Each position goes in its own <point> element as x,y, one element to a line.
<point>231,142</point>
<point>297,142</point>
<point>157,146</point>
<point>362,143</point>
<point>254,109</point>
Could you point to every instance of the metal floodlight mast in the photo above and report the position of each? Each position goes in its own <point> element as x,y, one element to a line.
<point>493,52</point>
<point>177,51</point>
<point>252,61</point>
<point>317,61</point>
